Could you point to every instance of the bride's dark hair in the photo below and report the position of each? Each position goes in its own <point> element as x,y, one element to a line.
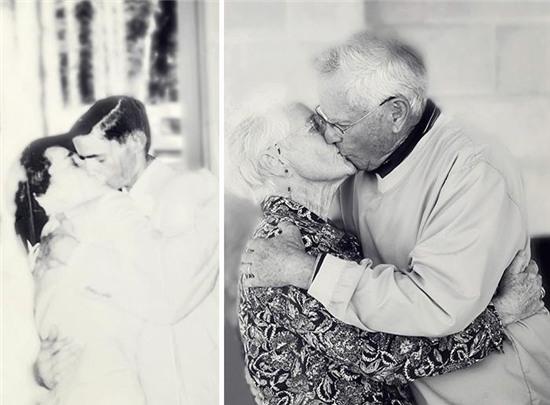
<point>30,217</point>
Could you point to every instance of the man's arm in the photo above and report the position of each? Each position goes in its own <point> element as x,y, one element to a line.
<point>397,359</point>
<point>470,237</point>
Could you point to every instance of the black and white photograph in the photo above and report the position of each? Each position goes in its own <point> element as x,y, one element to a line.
<point>386,202</point>
<point>110,259</point>
<point>369,178</point>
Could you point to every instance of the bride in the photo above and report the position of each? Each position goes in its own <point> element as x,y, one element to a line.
<point>98,286</point>
<point>295,351</point>
<point>98,276</point>
<point>124,275</point>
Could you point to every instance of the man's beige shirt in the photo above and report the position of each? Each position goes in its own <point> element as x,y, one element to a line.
<point>438,232</point>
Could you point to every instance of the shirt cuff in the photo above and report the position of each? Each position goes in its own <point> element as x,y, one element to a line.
<point>318,263</point>
<point>335,281</point>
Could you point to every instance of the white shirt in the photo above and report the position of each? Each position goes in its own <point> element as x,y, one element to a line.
<point>179,361</point>
<point>438,232</point>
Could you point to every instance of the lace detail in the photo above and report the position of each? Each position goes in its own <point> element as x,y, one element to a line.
<point>297,353</point>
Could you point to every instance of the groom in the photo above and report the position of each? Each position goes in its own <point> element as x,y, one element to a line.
<point>440,214</point>
<point>176,360</point>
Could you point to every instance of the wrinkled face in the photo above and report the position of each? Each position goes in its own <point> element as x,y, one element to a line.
<point>308,153</point>
<point>367,144</point>
<point>69,185</point>
<point>114,163</point>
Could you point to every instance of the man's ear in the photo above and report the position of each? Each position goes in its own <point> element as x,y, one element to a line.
<point>139,140</point>
<point>399,113</point>
<point>271,163</point>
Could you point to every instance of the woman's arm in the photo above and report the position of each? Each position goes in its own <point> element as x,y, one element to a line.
<point>379,356</point>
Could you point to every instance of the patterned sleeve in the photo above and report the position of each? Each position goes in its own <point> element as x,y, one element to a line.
<point>379,356</point>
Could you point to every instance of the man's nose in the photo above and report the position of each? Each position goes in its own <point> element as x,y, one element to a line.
<point>78,160</point>
<point>332,135</point>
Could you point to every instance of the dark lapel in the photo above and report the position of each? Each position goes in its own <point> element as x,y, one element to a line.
<point>429,116</point>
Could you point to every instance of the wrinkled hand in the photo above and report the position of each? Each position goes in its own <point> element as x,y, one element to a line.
<point>278,261</point>
<point>56,359</point>
<point>520,290</point>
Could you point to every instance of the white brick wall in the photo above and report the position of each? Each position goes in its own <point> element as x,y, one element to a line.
<point>275,41</point>
<point>488,62</point>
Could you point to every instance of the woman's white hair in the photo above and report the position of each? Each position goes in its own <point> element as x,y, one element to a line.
<point>379,67</point>
<point>260,126</point>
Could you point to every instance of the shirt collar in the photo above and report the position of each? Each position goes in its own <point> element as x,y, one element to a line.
<point>429,116</point>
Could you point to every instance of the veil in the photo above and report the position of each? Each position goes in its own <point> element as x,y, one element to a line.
<point>20,341</point>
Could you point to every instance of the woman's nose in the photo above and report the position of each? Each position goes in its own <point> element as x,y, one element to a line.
<point>332,135</point>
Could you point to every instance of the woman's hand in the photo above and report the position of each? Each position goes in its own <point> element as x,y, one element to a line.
<point>520,290</point>
<point>56,359</point>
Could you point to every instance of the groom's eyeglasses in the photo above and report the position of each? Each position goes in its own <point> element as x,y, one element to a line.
<point>321,121</point>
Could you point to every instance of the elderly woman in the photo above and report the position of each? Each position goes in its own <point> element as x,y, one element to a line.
<point>295,351</point>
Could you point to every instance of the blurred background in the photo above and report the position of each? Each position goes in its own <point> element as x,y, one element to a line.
<point>488,63</point>
<point>59,56</point>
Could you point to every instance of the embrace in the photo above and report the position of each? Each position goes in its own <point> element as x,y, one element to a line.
<point>392,262</point>
<point>125,265</point>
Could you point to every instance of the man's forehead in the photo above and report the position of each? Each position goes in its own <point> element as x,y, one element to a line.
<point>333,99</point>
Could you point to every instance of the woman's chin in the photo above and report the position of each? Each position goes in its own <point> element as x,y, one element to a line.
<point>351,167</point>
<point>348,166</point>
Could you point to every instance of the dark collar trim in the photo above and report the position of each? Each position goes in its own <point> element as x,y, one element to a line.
<point>429,116</point>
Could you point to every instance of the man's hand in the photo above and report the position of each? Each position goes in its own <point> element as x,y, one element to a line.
<point>55,250</point>
<point>56,359</point>
<point>520,290</point>
<point>277,262</point>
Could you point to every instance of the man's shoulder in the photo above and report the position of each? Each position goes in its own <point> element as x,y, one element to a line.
<point>200,183</point>
<point>170,177</point>
<point>466,146</point>
<point>468,150</point>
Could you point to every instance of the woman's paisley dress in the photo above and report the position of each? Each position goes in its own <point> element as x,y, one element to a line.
<point>296,352</point>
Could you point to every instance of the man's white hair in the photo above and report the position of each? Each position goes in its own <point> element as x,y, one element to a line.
<point>259,128</point>
<point>379,67</point>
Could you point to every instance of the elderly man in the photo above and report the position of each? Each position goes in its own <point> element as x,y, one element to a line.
<point>434,263</point>
<point>177,358</point>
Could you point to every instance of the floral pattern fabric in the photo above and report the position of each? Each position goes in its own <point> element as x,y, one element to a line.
<point>296,352</point>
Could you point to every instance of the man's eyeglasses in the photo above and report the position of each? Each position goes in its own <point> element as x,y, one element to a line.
<point>321,121</point>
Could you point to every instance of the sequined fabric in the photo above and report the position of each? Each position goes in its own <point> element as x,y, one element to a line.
<point>297,353</point>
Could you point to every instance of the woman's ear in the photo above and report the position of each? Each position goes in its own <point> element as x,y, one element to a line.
<point>271,163</point>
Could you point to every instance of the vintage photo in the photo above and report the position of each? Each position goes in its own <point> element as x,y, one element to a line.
<point>368,177</point>
<point>386,187</point>
<point>109,120</point>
